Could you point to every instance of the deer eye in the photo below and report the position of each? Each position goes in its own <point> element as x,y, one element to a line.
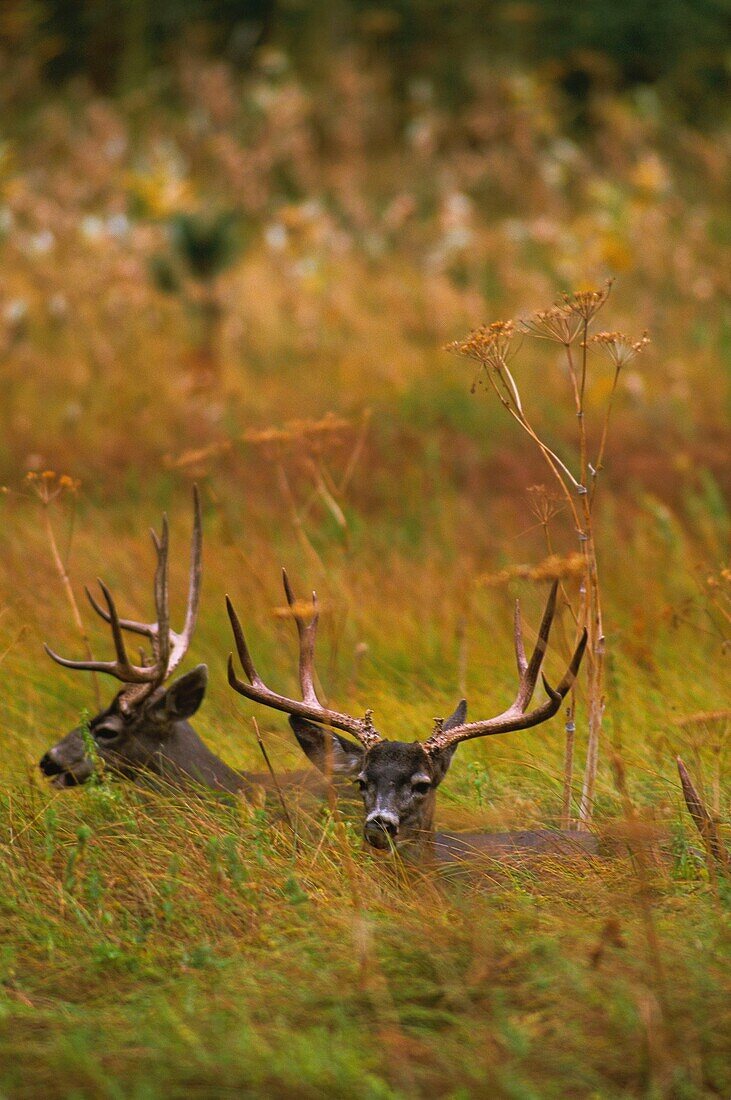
<point>361,783</point>
<point>105,733</point>
<point>421,786</point>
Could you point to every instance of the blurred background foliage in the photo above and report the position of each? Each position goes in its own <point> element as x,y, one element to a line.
<point>680,47</point>
<point>298,204</point>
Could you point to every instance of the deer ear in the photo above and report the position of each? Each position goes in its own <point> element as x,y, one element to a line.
<point>457,718</point>
<point>185,695</point>
<point>440,762</point>
<point>346,757</point>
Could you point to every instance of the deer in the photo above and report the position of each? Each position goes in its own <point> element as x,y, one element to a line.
<point>398,780</point>
<point>144,734</point>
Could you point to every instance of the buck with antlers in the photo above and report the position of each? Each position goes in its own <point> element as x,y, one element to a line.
<point>145,728</point>
<point>144,733</point>
<point>398,780</point>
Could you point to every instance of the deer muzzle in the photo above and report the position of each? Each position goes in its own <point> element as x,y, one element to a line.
<point>67,764</point>
<point>381,828</point>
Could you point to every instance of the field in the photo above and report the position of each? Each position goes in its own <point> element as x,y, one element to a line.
<point>249,284</point>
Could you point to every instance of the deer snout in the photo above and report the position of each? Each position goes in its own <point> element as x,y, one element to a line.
<point>381,827</point>
<point>66,764</point>
<point>59,775</point>
<point>48,765</point>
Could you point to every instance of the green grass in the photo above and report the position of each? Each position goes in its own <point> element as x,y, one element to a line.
<point>187,949</point>
<point>169,946</point>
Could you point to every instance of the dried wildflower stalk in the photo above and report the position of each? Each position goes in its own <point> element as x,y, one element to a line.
<point>47,488</point>
<point>494,347</point>
<point>551,568</point>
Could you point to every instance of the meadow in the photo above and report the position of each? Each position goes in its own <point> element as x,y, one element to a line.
<point>249,285</point>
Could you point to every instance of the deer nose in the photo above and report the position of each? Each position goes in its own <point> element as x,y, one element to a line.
<point>49,766</point>
<point>380,828</point>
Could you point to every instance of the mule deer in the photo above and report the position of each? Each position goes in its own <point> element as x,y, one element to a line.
<point>144,733</point>
<point>398,780</point>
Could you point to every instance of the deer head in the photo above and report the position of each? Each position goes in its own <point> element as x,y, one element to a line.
<point>145,727</point>
<point>397,780</point>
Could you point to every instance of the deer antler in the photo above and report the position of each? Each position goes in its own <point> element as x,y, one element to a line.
<point>168,646</point>
<point>517,716</point>
<point>309,706</point>
<point>704,823</point>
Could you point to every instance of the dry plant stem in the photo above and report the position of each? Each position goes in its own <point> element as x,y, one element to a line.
<point>591,610</point>
<point>571,712</point>
<point>580,410</point>
<point>568,763</point>
<point>12,645</point>
<point>716,803</point>
<point>267,761</point>
<point>462,646</point>
<point>579,404</point>
<point>557,466</point>
<point>596,648</point>
<point>572,375</point>
<point>326,495</point>
<point>357,453</point>
<point>288,495</point>
<point>570,727</point>
<point>513,389</point>
<point>598,465</point>
<point>64,577</point>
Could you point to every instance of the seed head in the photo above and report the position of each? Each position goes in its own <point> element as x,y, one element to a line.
<point>489,345</point>
<point>559,324</point>
<point>586,303</point>
<point>551,568</point>
<point>544,504</point>
<point>620,349</point>
<point>49,485</point>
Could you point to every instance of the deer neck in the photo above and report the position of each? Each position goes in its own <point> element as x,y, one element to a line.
<point>184,756</point>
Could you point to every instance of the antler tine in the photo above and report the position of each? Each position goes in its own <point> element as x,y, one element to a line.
<point>520,657</point>
<point>181,641</point>
<point>113,668</point>
<point>704,823</point>
<point>310,707</point>
<point>530,673</point>
<point>168,648</point>
<point>571,673</point>
<point>147,630</point>
<point>162,600</point>
<point>196,569</point>
<point>113,620</point>
<point>122,669</point>
<point>515,717</point>
<point>241,648</point>
<point>307,634</point>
